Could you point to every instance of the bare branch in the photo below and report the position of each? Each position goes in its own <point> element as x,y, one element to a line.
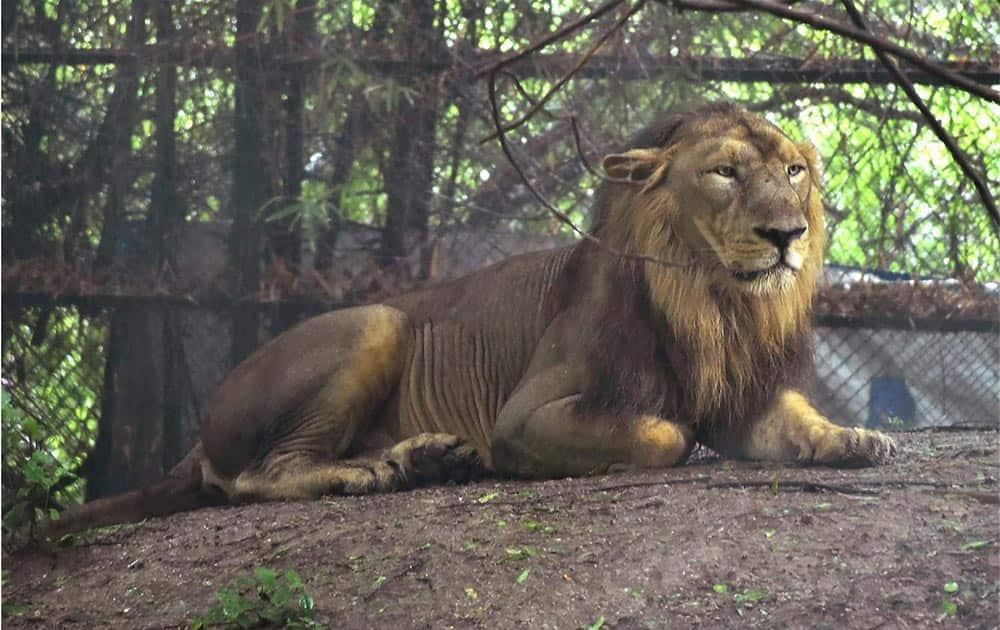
<point>859,35</point>
<point>619,23</point>
<point>501,135</point>
<point>586,163</point>
<point>956,152</point>
<point>575,25</point>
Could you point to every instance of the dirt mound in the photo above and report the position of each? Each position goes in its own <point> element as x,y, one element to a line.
<point>713,543</point>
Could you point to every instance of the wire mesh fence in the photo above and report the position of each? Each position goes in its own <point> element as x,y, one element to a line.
<point>55,375</point>
<point>896,379</point>
<point>53,371</point>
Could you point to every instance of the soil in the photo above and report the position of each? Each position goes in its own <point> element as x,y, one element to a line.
<point>710,544</point>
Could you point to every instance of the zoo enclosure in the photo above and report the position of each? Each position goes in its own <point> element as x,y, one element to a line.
<point>183,181</point>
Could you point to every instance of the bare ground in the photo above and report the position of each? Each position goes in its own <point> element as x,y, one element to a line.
<point>711,544</point>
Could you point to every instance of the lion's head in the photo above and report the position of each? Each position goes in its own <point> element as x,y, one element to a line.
<point>733,206</point>
<point>738,195</point>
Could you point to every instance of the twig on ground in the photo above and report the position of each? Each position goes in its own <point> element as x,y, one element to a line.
<point>800,486</point>
<point>410,566</point>
<point>956,427</point>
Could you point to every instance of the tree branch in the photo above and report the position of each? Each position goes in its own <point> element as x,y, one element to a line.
<point>562,217</point>
<point>956,152</point>
<point>569,75</point>
<point>859,35</point>
<point>553,37</point>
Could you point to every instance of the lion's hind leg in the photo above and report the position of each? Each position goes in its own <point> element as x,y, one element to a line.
<point>427,458</point>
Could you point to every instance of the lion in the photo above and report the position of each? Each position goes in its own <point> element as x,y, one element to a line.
<point>686,322</point>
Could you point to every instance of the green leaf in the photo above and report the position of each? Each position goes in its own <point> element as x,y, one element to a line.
<point>523,577</point>
<point>951,587</point>
<point>949,608</point>
<point>514,553</point>
<point>486,498</point>
<point>721,589</point>
<point>306,604</point>
<point>977,544</point>
<point>293,580</point>
<point>520,553</point>
<point>597,625</point>
<point>751,595</point>
<point>268,578</point>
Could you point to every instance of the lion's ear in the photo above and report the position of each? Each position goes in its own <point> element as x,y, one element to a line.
<point>808,151</point>
<point>636,165</point>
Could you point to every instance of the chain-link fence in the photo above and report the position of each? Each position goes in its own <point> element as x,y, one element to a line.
<point>905,378</point>
<point>53,372</point>
<point>56,371</point>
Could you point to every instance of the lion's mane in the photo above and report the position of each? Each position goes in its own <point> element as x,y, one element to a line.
<point>739,347</point>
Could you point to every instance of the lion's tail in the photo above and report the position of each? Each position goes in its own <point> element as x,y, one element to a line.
<point>182,489</point>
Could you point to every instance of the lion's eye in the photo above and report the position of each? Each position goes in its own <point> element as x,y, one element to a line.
<point>725,170</point>
<point>795,169</point>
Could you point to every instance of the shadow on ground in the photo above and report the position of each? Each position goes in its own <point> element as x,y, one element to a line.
<point>713,544</point>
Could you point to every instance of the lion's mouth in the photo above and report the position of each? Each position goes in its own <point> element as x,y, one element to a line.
<point>777,268</point>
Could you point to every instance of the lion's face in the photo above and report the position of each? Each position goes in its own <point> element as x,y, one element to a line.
<point>742,197</point>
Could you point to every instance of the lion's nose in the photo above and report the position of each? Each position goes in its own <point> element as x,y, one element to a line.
<point>780,237</point>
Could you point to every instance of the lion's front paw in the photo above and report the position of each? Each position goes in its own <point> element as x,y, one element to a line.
<point>853,448</point>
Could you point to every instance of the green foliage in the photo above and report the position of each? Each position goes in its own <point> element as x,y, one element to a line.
<point>897,200</point>
<point>266,599</point>
<point>50,401</point>
<point>39,474</point>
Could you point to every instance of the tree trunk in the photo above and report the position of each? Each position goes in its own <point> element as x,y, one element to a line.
<point>120,119</point>
<point>354,131</point>
<point>410,169</point>
<point>166,208</point>
<point>251,180</point>
<point>166,218</point>
<point>285,234</point>
<point>129,448</point>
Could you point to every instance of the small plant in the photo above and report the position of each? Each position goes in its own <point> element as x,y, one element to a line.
<point>597,625</point>
<point>948,606</point>
<point>895,423</point>
<point>33,500</point>
<point>264,599</point>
